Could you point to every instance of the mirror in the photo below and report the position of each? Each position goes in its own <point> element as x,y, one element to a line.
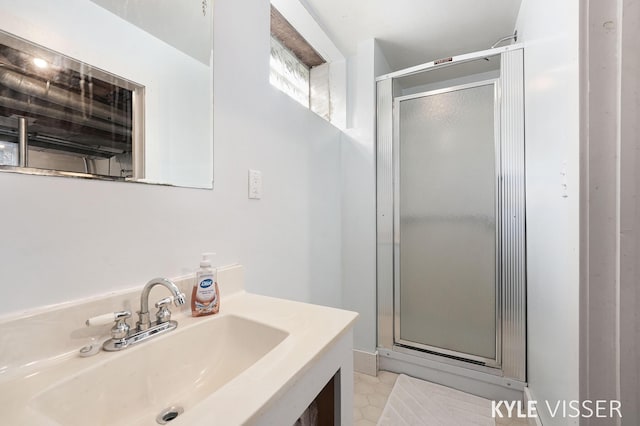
<point>108,89</point>
<point>60,114</point>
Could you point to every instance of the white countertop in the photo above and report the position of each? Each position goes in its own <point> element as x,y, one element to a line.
<point>312,330</point>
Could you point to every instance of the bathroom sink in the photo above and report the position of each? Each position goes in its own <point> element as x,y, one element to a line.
<point>180,369</point>
<point>260,361</point>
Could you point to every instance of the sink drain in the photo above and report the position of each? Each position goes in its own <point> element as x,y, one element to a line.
<point>169,414</point>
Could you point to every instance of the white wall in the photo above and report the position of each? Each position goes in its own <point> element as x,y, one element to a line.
<point>600,103</point>
<point>64,239</point>
<point>549,31</point>
<point>610,332</point>
<point>359,193</point>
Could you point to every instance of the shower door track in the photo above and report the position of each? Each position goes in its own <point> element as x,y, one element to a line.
<point>454,60</point>
<point>441,358</point>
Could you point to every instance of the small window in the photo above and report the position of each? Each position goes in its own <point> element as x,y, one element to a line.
<point>296,68</point>
<point>288,73</point>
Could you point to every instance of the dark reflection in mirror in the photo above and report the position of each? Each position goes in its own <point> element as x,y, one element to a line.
<point>57,113</point>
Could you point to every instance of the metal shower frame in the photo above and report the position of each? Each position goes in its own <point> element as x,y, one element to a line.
<point>512,371</point>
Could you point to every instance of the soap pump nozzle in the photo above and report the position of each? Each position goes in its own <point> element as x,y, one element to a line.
<point>206,260</point>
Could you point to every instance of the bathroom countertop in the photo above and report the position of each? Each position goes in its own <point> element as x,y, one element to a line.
<point>311,332</point>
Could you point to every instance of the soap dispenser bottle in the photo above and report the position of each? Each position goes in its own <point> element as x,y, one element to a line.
<point>205,297</point>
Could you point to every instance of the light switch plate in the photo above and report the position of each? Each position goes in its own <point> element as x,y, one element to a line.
<point>255,184</point>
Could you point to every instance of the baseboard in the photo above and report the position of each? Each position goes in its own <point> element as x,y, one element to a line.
<point>365,362</point>
<point>533,421</point>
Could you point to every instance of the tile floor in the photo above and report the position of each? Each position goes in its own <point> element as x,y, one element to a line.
<point>511,422</point>
<point>370,397</point>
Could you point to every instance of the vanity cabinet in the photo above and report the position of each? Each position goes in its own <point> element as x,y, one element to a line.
<point>324,410</point>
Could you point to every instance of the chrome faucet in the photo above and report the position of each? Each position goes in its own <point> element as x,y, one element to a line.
<point>143,315</point>
<point>122,337</point>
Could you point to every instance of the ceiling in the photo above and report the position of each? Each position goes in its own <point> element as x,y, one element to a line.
<point>412,32</point>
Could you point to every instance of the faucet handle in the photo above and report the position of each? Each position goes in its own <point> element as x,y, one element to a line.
<point>164,314</point>
<point>108,318</point>
<point>164,302</point>
<point>120,329</point>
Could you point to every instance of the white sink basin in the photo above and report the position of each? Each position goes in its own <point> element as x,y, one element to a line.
<point>180,368</point>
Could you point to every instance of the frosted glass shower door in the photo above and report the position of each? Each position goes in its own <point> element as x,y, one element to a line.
<point>446,204</point>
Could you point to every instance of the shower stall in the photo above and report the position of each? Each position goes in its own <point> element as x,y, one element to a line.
<point>450,222</point>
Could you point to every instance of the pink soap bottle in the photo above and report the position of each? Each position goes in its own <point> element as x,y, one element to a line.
<point>205,296</point>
